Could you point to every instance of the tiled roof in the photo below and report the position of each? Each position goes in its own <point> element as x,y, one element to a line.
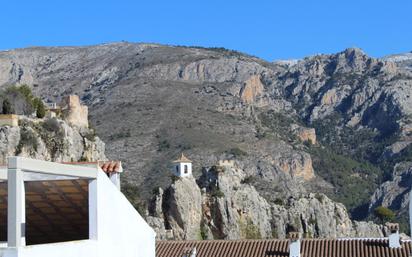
<point>106,166</point>
<point>280,248</point>
<point>182,158</point>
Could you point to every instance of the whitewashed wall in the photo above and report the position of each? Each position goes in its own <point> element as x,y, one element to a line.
<point>116,228</point>
<point>121,231</point>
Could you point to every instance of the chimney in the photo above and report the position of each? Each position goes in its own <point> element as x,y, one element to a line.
<point>189,252</point>
<point>194,252</point>
<point>394,239</point>
<point>294,247</point>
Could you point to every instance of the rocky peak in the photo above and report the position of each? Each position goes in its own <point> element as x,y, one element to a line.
<point>351,60</point>
<point>182,207</point>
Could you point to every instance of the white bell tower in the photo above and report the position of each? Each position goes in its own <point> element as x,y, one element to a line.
<point>182,167</point>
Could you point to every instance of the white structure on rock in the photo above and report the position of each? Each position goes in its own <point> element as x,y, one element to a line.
<point>182,167</point>
<point>63,210</point>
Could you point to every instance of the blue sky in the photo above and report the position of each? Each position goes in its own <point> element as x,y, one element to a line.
<point>282,29</point>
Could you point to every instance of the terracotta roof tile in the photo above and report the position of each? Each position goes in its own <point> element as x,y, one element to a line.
<point>182,158</point>
<point>280,248</point>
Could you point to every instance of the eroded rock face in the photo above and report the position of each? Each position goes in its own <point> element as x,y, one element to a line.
<point>252,88</point>
<point>368,229</point>
<point>315,215</point>
<point>394,194</point>
<point>9,139</point>
<point>237,209</point>
<point>304,134</point>
<point>300,166</point>
<point>51,140</point>
<point>229,207</point>
<point>183,208</point>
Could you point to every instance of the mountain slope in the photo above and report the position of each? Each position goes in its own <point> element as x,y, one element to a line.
<point>150,102</point>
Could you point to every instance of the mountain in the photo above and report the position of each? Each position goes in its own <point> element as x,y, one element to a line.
<point>333,124</point>
<point>404,60</point>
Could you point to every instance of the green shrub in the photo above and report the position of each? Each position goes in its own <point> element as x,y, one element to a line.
<point>23,94</point>
<point>216,192</point>
<point>236,152</point>
<point>203,231</point>
<point>52,135</point>
<point>120,135</point>
<point>90,135</point>
<point>249,230</point>
<point>320,197</point>
<point>40,108</point>
<point>312,221</point>
<point>52,125</point>
<point>248,180</point>
<point>384,214</point>
<point>174,178</point>
<point>163,145</point>
<point>7,108</point>
<point>279,201</point>
<point>27,139</point>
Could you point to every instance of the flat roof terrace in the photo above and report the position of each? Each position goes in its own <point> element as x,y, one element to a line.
<point>55,209</point>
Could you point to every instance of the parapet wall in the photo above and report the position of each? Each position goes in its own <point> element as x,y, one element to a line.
<point>227,163</point>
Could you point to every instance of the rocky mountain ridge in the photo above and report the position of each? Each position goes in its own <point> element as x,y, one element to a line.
<point>336,124</point>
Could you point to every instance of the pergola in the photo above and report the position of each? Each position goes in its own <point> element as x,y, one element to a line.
<point>43,203</point>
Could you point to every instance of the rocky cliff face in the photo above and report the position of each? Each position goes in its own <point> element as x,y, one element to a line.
<point>326,123</point>
<point>394,193</point>
<point>224,205</point>
<point>51,140</point>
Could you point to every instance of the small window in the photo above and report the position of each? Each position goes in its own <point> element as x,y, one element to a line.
<point>177,169</point>
<point>186,170</point>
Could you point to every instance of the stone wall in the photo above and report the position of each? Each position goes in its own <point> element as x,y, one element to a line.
<point>73,112</point>
<point>11,120</point>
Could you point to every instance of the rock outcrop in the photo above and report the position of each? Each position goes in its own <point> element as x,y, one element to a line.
<point>230,207</point>
<point>304,134</point>
<point>182,208</point>
<point>394,194</point>
<point>51,140</point>
<point>252,88</point>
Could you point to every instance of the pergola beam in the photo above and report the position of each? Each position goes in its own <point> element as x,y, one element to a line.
<point>51,168</point>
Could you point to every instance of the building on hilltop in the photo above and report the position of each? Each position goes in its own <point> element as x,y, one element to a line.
<point>70,109</point>
<point>74,112</point>
<point>182,167</point>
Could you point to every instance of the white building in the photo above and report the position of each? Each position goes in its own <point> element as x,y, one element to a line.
<point>182,167</point>
<point>59,210</point>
